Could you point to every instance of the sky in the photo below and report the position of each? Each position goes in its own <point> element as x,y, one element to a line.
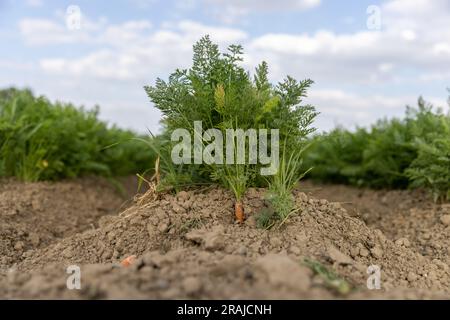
<point>369,59</point>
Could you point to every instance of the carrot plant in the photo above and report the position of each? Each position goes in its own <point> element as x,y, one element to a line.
<point>217,91</point>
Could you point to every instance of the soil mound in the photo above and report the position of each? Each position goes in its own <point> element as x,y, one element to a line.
<point>410,218</point>
<point>34,215</point>
<point>189,246</point>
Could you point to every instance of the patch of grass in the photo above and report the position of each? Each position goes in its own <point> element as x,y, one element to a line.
<point>265,218</point>
<point>284,181</point>
<point>331,279</point>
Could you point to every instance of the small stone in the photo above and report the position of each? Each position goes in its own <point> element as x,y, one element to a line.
<point>19,246</point>
<point>411,276</point>
<point>426,236</point>
<point>363,252</point>
<point>403,242</point>
<point>163,227</point>
<point>183,195</point>
<point>338,256</point>
<point>178,209</point>
<point>354,252</point>
<point>151,229</point>
<point>445,219</point>
<point>377,252</point>
<point>27,254</point>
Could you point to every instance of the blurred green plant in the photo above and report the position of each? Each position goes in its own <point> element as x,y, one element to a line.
<point>40,140</point>
<point>330,278</point>
<point>398,153</point>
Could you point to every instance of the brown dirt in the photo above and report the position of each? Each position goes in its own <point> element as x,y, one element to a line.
<point>408,217</point>
<point>189,246</point>
<point>35,215</point>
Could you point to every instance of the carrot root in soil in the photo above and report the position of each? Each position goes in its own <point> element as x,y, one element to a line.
<point>239,211</point>
<point>128,261</point>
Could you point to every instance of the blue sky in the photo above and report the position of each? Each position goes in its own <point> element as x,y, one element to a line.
<point>361,74</point>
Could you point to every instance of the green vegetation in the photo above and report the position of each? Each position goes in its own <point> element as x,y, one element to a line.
<point>397,153</point>
<point>330,279</point>
<point>219,92</point>
<point>265,218</point>
<point>40,140</point>
<point>284,181</point>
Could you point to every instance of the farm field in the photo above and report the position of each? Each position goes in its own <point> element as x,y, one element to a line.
<point>189,246</point>
<point>238,196</point>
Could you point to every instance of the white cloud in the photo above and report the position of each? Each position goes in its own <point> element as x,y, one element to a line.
<point>247,6</point>
<point>104,64</point>
<point>415,36</point>
<point>196,30</point>
<point>37,31</point>
<point>359,57</point>
<point>230,11</point>
<point>340,108</point>
<point>125,33</point>
<point>411,49</point>
<point>42,31</point>
<point>138,54</point>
